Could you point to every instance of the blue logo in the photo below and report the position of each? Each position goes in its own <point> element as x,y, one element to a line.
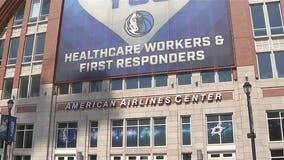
<point>139,23</point>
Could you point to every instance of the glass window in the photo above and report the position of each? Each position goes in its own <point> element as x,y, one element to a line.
<point>275,125</point>
<point>20,15</point>
<point>138,132</point>
<point>220,129</point>
<point>14,45</point>
<point>44,9</point>
<point>145,82</point>
<point>264,65</point>
<point>8,86</point>
<point>29,45</point>
<point>24,136</point>
<point>275,20</point>
<point>93,157</point>
<point>96,86</point>
<point>279,60</point>
<point>277,154</point>
<point>208,77</point>
<point>24,83</point>
<point>22,157</point>
<point>184,79</point>
<point>39,50</point>
<point>186,135</point>
<point>117,133</point>
<point>76,87</point>
<point>63,88</point>
<point>258,20</point>
<point>93,134</point>
<point>67,135</point>
<point>186,156</point>
<point>131,83</point>
<point>159,131</point>
<point>34,10</point>
<point>116,84</point>
<point>225,75</point>
<point>161,81</point>
<point>35,85</point>
<point>1,50</point>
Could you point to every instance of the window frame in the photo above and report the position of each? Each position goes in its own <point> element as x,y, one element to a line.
<point>25,131</point>
<point>266,17</point>
<point>94,125</point>
<point>67,128</point>
<point>219,121</point>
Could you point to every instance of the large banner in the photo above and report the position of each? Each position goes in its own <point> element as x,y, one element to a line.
<point>112,38</point>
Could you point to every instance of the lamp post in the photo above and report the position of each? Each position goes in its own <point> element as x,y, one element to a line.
<point>7,142</point>
<point>251,135</point>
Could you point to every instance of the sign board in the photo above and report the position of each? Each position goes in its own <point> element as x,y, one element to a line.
<point>101,39</point>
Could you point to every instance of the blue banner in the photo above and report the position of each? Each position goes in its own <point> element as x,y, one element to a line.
<point>103,39</point>
<point>10,137</point>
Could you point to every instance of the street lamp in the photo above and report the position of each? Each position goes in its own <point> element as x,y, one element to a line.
<point>7,142</point>
<point>251,135</point>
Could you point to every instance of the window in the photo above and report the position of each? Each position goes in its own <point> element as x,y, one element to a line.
<point>67,135</point>
<point>96,86</point>
<point>131,83</point>
<point>93,157</point>
<point>24,136</point>
<point>76,87</point>
<point>34,53</point>
<point>116,84</point>
<point>29,86</point>
<point>141,82</point>
<point>279,57</point>
<point>264,65</point>
<point>225,75</point>
<point>277,154</point>
<point>14,45</point>
<point>8,86</point>
<point>39,8</point>
<point>186,135</point>
<point>24,82</point>
<point>220,129</point>
<point>138,132</point>
<point>25,157</point>
<point>63,88</point>
<point>117,133</point>
<point>93,134</point>
<point>29,44</point>
<point>160,157</point>
<point>275,125</point>
<point>19,15</point>
<point>208,77</point>
<point>44,9</point>
<point>145,82</point>
<point>39,48</point>
<point>186,156</point>
<point>1,50</point>
<point>184,79</point>
<point>137,157</point>
<point>159,131</point>
<point>161,81</point>
<point>275,20</point>
<point>258,20</point>
<point>273,16</point>
<point>34,10</point>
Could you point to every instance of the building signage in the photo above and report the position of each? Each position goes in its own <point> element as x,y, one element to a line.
<point>101,39</point>
<point>144,101</point>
